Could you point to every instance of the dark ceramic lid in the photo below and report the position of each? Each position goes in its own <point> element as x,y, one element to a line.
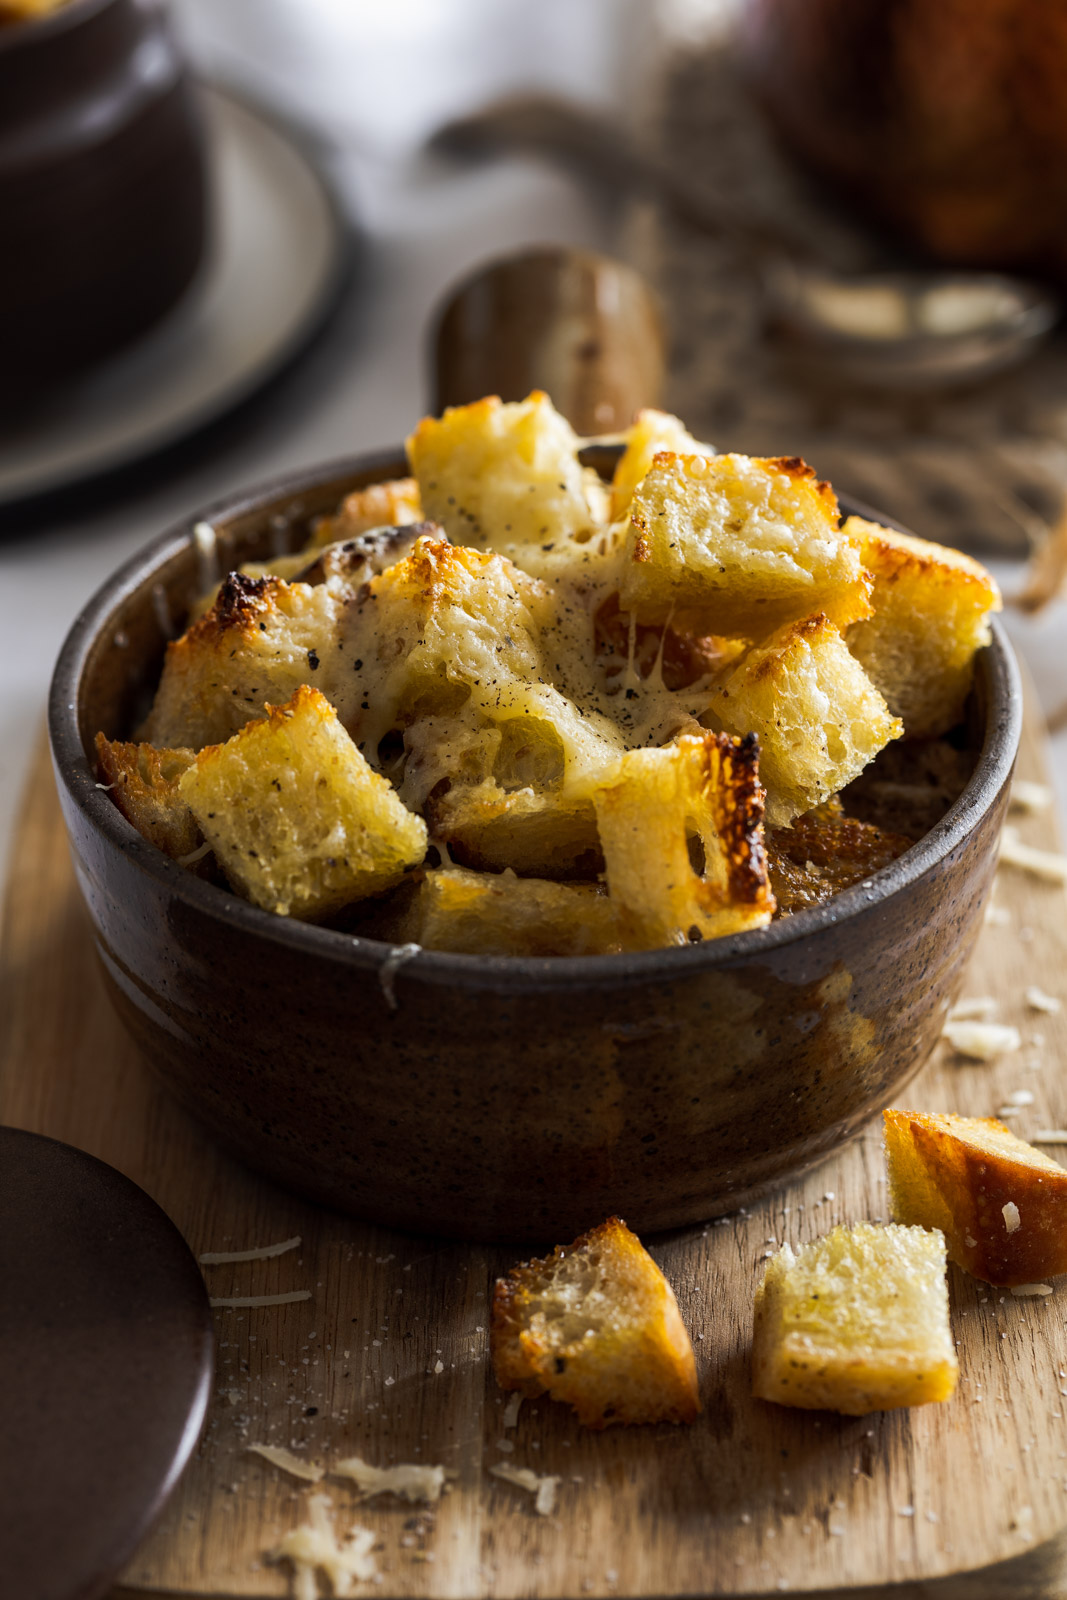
<point>105,1361</point>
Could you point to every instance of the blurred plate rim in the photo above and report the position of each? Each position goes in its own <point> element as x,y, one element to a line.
<point>32,485</point>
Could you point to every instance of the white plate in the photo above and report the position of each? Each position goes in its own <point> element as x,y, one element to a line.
<point>276,259</point>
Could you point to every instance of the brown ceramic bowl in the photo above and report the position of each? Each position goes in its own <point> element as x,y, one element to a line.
<point>504,1098</point>
<point>102,186</point>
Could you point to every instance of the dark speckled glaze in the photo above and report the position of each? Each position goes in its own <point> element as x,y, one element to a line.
<point>505,1098</point>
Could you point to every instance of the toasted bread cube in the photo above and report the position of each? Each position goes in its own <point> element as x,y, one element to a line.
<point>855,1322</point>
<point>650,806</point>
<point>596,1324</point>
<point>824,852</point>
<point>650,433</point>
<point>819,718</point>
<point>260,640</point>
<point>498,914</point>
<point>931,614</point>
<point>1001,1204</point>
<point>503,475</point>
<point>548,835</point>
<point>394,504</point>
<point>143,783</point>
<point>447,651</point>
<point>298,821</point>
<point>741,543</point>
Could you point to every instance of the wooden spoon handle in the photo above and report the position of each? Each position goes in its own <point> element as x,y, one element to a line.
<point>581,326</point>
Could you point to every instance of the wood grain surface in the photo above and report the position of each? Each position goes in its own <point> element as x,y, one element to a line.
<point>388,1357</point>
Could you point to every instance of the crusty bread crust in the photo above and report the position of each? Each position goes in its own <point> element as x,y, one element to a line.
<point>597,1326</point>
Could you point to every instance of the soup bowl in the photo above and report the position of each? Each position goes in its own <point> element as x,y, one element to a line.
<point>503,1098</point>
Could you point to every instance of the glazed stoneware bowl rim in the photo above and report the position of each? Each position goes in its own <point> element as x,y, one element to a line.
<point>515,974</point>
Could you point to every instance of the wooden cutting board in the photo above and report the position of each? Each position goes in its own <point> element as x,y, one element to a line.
<point>387,1358</point>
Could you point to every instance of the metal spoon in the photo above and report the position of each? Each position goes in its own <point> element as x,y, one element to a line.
<point>902,330</point>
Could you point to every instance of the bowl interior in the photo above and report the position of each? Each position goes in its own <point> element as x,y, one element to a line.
<point>110,665</point>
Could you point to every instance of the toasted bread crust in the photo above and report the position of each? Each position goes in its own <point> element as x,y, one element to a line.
<point>959,1174</point>
<point>616,1350</point>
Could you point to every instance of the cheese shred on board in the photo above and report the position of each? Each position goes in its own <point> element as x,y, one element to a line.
<point>278,1456</point>
<point>314,1547</point>
<point>410,1480</point>
<point>291,1299</point>
<point>218,1258</point>
<point>544,1489</point>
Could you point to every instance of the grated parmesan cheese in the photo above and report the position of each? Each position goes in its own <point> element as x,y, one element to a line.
<point>1038,1000</point>
<point>1042,863</point>
<point>1049,1136</point>
<point>543,1489</point>
<point>279,1457</point>
<point>1012,1220</point>
<point>982,1041</point>
<point>314,1547</point>
<point>1030,797</point>
<point>980,1007</point>
<point>223,1301</point>
<point>398,956</point>
<point>218,1258</point>
<point>411,1481</point>
<point>1025,1291</point>
<point>511,1410</point>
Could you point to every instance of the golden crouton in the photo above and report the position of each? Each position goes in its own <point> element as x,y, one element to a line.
<point>379,505</point>
<point>444,650</point>
<point>855,1322</point>
<point>502,475</point>
<point>548,835</point>
<point>704,789</point>
<point>596,1324</point>
<point>650,433</point>
<point>931,613</point>
<point>498,914</point>
<point>298,821</point>
<point>143,783</point>
<point>824,852</point>
<point>742,543</point>
<point>260,640</point>
<point>819,718</point>
<point>1001,1204</point>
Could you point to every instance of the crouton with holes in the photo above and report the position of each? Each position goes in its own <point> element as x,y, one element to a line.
<point>298,821</point>
<point>818,716</point>
<point>143,783</point>
<point>445,651</point>
<point>740,543</point>
<point>824,852</point>
<point>488,827</point>
<point>504,475</point>
<point>260,640</point>
<point>499,914</point>
<point>650,434</point>
<point>1001,1204</point>
<point>703,789</point>
<point>855,1322</point>
<point>931,614</point>
<point>379,505</point>
<point>596,1325</point>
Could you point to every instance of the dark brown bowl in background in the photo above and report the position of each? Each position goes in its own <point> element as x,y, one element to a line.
<point>504,1098</point>
<point>102,186</point>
